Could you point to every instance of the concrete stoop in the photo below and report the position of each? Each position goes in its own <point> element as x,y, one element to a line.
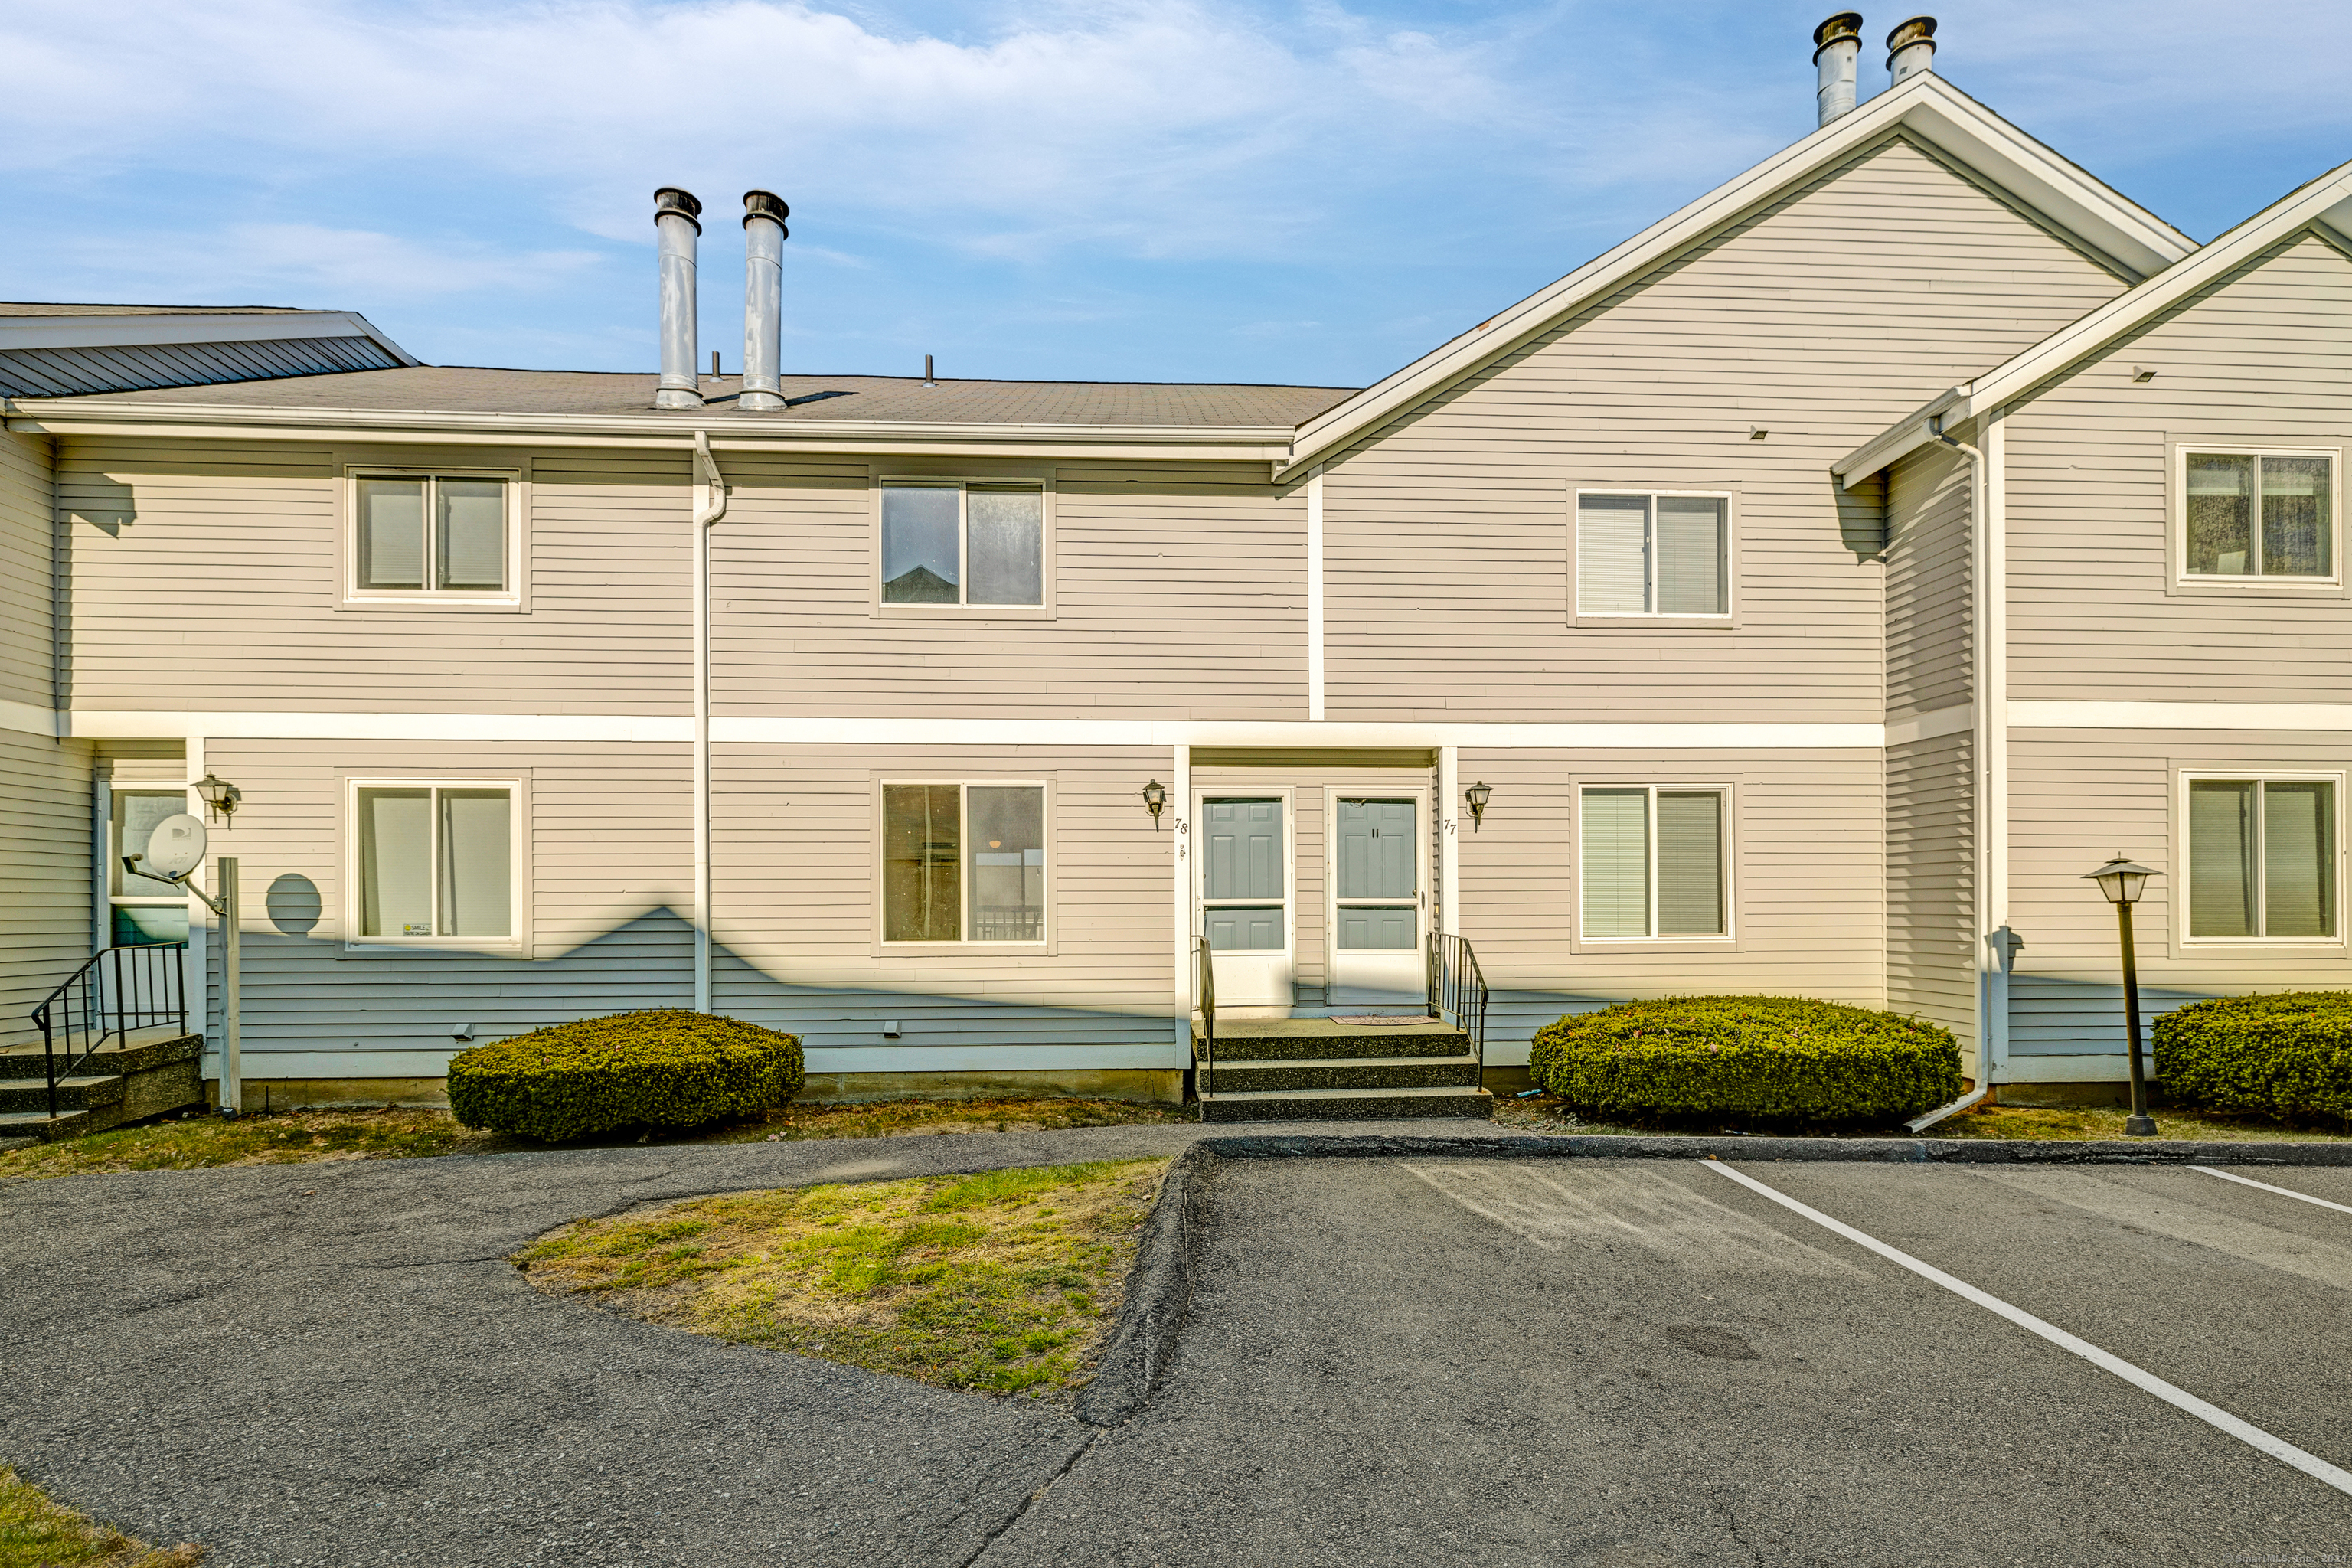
<point>1299,1070</point>
<point>155,1072</point>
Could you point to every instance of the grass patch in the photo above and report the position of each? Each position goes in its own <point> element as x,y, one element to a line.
<point>291,1136</point>
<point>38,1534</point>
<point>999,1283</point>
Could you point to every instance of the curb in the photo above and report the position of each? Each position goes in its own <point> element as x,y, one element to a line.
<point>1853,1150</point>
<point>1158,1293</point>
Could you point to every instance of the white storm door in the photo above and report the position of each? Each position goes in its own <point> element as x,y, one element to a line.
<point>1245,900</point>
<point>1376,903</point>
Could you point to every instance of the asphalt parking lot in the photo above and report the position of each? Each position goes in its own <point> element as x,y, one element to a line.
<point>1408,1360</point>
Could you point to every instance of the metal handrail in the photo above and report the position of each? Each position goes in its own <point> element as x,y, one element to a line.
<point>1457,991</point>
<point>116,990</point>
<point>1205,993</point>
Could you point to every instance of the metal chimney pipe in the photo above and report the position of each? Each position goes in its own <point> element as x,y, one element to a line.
<point>677,222</point>
<point>1837,49</point>
<point>1911,49</point>
<point>763,300</point>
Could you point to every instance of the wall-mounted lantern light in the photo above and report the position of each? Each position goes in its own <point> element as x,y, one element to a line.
<point>1478,794</point>
<point>2123,882</point>
<point>1155,801</point>
<point>220,798</point>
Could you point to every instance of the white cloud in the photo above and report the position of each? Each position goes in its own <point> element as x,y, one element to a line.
<point>308,262</point>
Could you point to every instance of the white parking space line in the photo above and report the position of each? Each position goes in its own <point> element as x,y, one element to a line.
<point>2282,1192</point>
<point>2181,1399</point>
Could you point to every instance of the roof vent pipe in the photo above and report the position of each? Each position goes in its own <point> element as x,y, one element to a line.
<point>677,223</point>
<point>1837,49</point>
<point>1910,49</point>
<point>763,300</point>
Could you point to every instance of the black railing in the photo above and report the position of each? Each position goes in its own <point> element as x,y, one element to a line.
<point>1204,1001</point>
<point>119,990</point>
<point>1457,991</point>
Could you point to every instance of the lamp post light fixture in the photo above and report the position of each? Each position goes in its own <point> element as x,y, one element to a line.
<point>1155,801</point>
<point>1478,794</point>
<point>2122,882</point>
<point>219,798</point>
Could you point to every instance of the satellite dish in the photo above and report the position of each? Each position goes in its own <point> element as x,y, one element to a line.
<point>175,848</point>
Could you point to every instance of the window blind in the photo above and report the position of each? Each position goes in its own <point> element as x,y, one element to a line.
<point>470,529</point>
<point>1612,551</point>
<point>1615,861</point>
<point>477,863</point>
<point>1689,553</point>
<point>395,862</point>
<point>1690,863</point>
<point>392,533</point>
<point>2298,833</point>
<point>2220,857</point>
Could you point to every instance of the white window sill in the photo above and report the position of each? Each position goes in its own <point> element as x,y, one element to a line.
<point>509,604</point>
<point>1678,623</point>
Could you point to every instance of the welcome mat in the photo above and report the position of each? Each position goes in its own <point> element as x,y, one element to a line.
<point>1399,1020</point>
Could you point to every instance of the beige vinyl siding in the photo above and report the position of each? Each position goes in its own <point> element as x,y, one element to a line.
<point>27,531</point>
<point>2077,796</point>
<point>1930,878</point>
<point>1175,590</point>
<point>1805,889</point>
<point>1821,318</point>
<point>45,871</point>
<point>2260,358</point>
<point>228,554</point>
<point>609,843</point>
<point>1930,602</point>
<point>794,913</point>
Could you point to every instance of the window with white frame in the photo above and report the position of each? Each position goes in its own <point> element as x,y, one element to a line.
<point>144,908</point>
<point>433,863</point>
<point>1652,861</point>
<point>430,535</point>
<point>963,863</point>
<point>970,543</point>
<point>1653,553</point>
<point>2260,514</point>
<point>2262,858</point>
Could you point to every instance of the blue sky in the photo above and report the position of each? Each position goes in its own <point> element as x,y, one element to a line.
<point>1311,193</point>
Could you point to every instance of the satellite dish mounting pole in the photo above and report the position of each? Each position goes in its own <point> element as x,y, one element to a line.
<point>175,848</point>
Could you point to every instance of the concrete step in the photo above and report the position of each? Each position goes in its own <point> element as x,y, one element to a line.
<point>84,1091</point>
<point>1321,1040</point>
<point>145,1049</point>
<point>1346,1104</point>
<point>1357,1072</point>
<point>36,1125</point>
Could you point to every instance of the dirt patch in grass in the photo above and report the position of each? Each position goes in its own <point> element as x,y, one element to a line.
<point>1002,1283</point>
<point>1545,1113</point>
<point>38,1534</point>
<point>289,1136</point>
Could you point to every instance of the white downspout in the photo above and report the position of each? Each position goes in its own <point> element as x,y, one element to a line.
<point>709,506</point>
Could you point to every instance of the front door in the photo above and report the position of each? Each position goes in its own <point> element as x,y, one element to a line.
<point>1377,903</point>
<point>1245,898</point>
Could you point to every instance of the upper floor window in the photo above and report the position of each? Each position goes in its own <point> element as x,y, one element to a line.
<point>1653,553</point>
<point>2262,858</point>
<point>431,534</point>
<point>963,544</point>
<point>963,862</point>
<point>1653,861</point>
<point>2259,514</point>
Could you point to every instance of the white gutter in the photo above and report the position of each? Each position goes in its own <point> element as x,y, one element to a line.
<point>709,506</point>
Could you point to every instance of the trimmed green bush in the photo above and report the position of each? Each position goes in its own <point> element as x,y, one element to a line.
<point>666,1068</point>
<point>2286,1054</point>
<point>1765,1060</point>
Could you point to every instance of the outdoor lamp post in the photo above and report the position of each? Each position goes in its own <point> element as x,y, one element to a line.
<point>2123,882</point>
<point>1478,794</point>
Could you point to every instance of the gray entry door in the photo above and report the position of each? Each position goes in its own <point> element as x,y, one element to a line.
<point>1376,903</point>
<point>1245,900</point>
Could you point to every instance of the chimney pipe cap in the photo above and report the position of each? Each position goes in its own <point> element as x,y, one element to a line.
<point>758,205</point>
<point>670,199</point>
<point>1845,24</point>
<point>1906,35</point>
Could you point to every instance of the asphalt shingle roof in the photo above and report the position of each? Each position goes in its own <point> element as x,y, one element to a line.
<point>455,389</point>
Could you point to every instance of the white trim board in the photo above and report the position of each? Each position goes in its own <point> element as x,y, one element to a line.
<point>111,724</point>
